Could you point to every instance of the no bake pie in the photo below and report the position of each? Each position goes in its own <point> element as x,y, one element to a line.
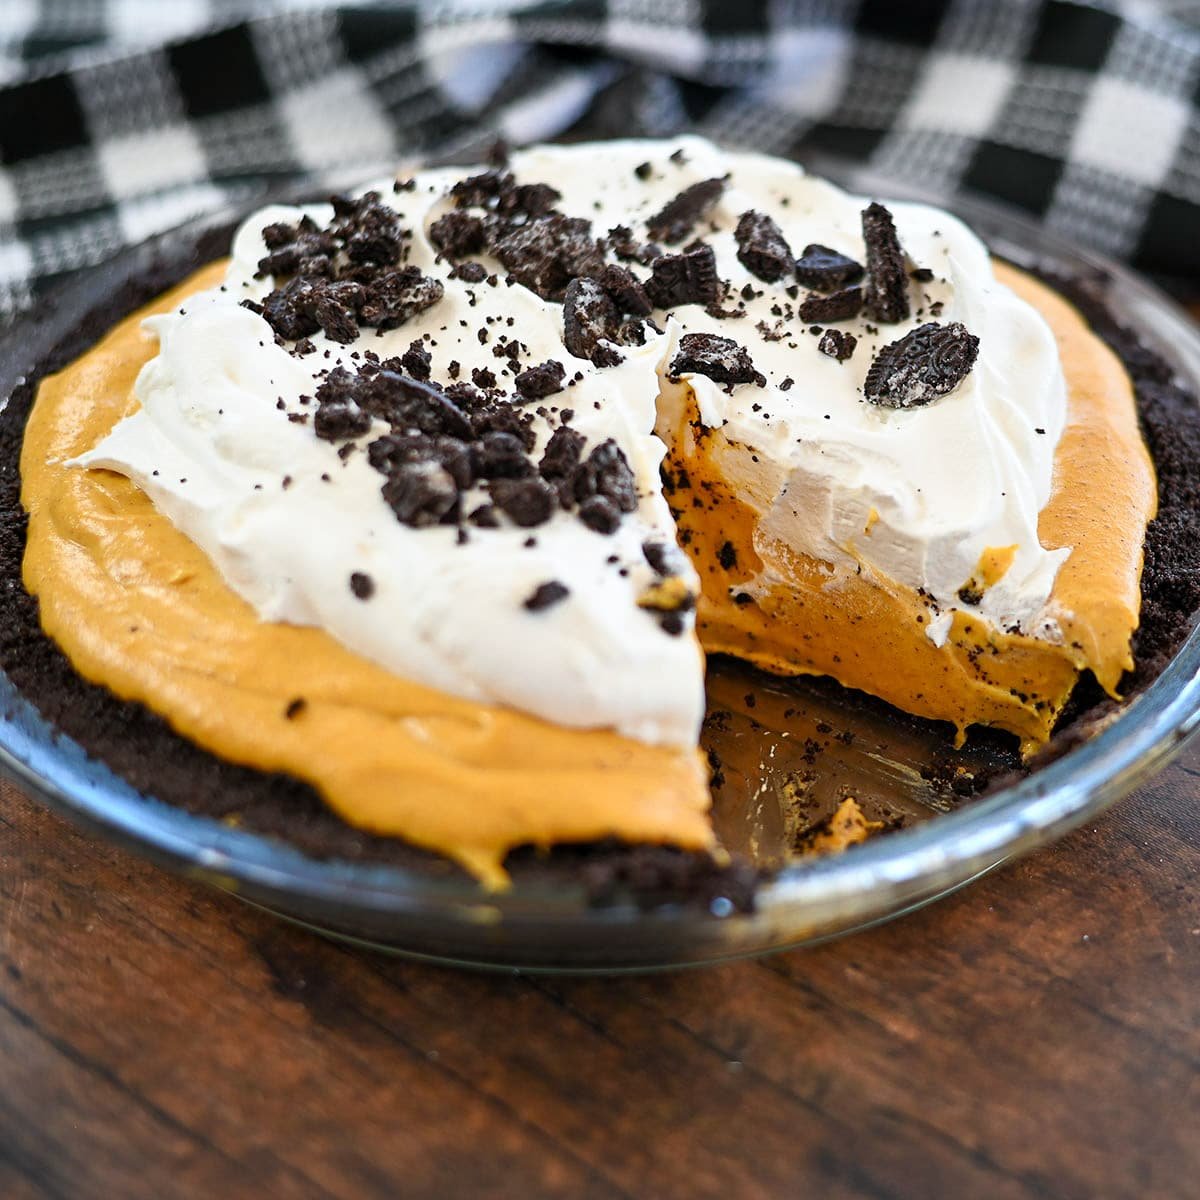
<point>429,501</point>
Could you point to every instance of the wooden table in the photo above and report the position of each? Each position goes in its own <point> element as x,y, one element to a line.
<point>1035,1035</point>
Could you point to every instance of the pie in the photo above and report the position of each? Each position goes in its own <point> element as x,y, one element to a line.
<point>433,498</point>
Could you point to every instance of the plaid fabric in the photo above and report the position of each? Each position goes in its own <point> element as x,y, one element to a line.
<point>120,118</point>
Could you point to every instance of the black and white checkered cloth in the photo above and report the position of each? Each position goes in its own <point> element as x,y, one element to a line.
<point>120,118</point>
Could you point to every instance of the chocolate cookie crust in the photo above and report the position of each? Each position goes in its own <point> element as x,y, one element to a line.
<point>140,746</point>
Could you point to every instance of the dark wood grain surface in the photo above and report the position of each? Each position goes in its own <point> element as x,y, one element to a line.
<point>1035,1035</point>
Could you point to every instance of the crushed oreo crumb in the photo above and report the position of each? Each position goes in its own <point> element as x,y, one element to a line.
<point>398,296</point>
<point>657,554</point>
<point>469,272</point>
<point>970,594</point>
<point>622,243</point>
<point>499,455</point>
<point>484,517</point>
<point>546,595</point>
<point>363,586</point>
<point>342,277</point>
<point>417,361</point>
<point>837,343</point>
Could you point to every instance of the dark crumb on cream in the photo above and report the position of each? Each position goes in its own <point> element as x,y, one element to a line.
<point>546,595</point>
<point>837,344</point>
<point>362,585</point>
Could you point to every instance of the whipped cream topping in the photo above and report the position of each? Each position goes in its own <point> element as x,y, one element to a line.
<point>918,494</point>
<point>288,521</point>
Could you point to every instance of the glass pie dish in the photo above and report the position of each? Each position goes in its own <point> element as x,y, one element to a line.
<point>765,737</point>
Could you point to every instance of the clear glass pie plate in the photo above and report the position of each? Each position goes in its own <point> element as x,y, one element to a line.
<point>548,923</point>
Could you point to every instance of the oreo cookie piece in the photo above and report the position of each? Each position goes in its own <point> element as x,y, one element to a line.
<point>338,417</point>
<point>600,515</point>
<point>824,270</point>
<point>527,502</point>
<point>546,595</point>
<point>688,278</point>
<point>500,456</point>
<point>658,555</point>
<point>457,234</point>
<point>837,343</point>
<point>500,416</point>
<point>410,404</point>
<point>560,460</point>
<point>335,307</point>
<point>546,253</point>
<point>421,493</point>
<point>370,231</point>
<point>678,216</point>
<point>886,289</point>
<point>394,452</point>
<point>929,362</point>
<point>301,249</point>
<point>762,248</point>
<point>538,382</point>
<point>626,290</point>
<point>482,190</point>
<point>484,517</point>
<point>530,199</point>
<point>840,306</point>
<point>625,246</point>
<point>606,472</point>
<point>395,297</point>
<point>289,309</point>
<point>417,361</point>
<point>719,358</point>
<point>469,272</point>
<point>590,318</point>
<point>363,587</point>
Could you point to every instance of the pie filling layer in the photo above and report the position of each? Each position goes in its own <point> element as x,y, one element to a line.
<point>459,640</point>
